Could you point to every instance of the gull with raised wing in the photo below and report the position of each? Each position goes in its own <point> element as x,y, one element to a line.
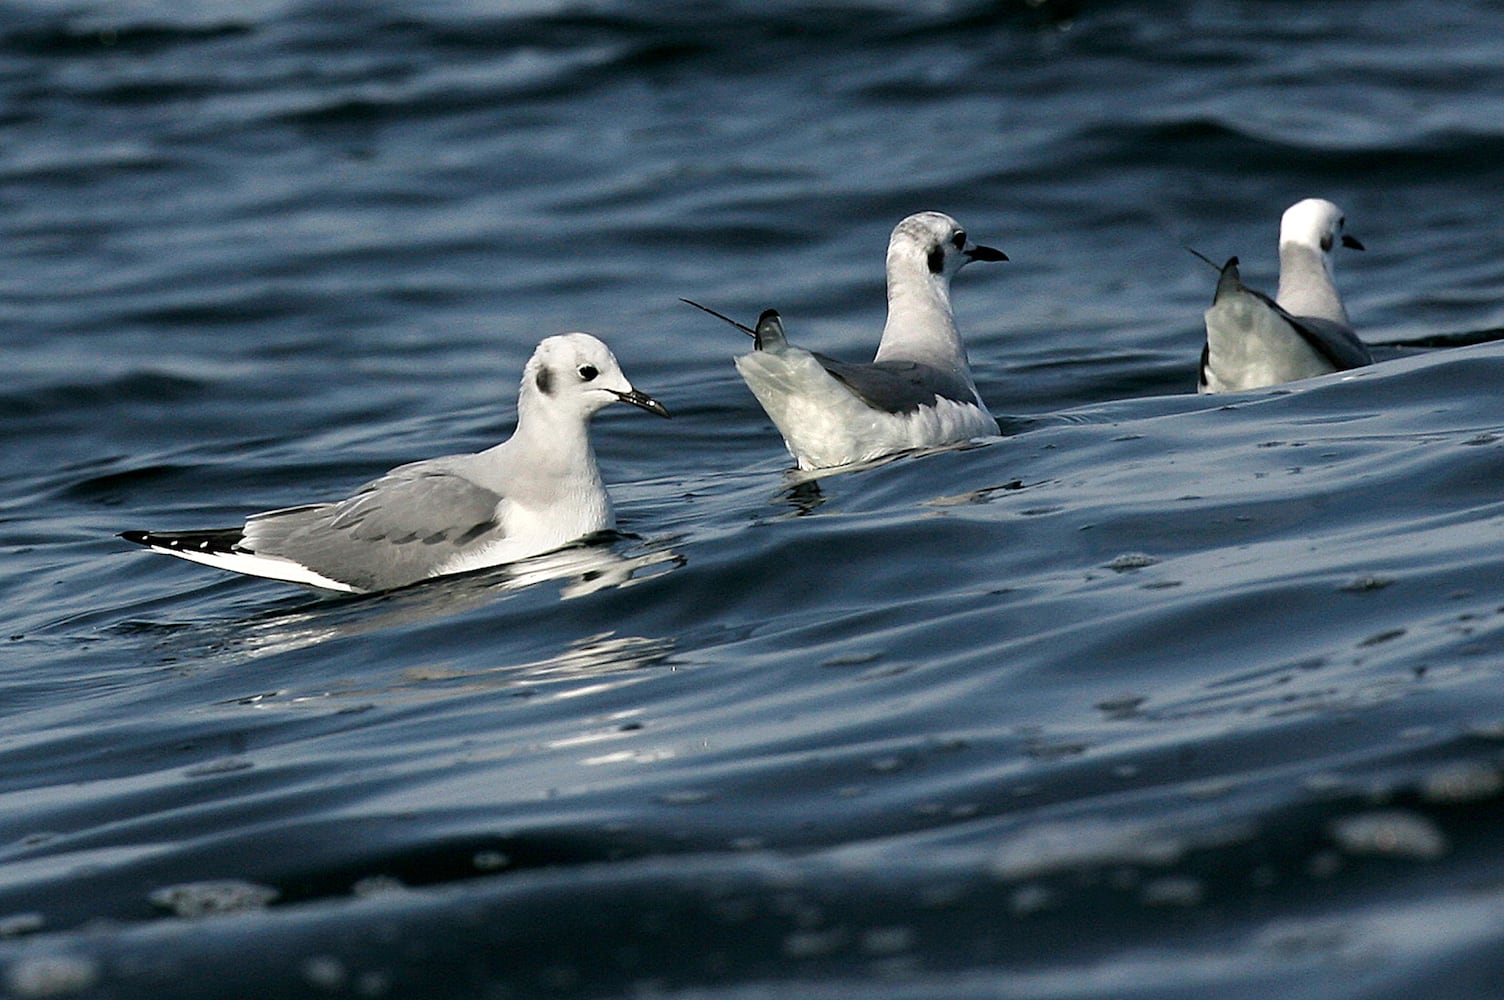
<point>918,390</point>
<point>537,491</point>
<point>1254,341</point>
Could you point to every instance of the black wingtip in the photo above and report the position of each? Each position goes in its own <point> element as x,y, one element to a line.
<point>215,540</point>
<point>727,319</point>
<point>1200,256</point>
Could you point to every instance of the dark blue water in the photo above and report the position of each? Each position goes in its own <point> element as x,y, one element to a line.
<point>1158,696</point>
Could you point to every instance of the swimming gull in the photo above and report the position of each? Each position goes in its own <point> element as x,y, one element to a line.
<point>535,492</point>
<point>1254,341</point>
<point>918,390</point>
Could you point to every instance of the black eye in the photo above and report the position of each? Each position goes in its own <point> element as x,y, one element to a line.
<point>959,239</point>
<point>588,372</point>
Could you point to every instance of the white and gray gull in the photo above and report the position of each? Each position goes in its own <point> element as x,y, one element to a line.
<point>918,390</point>
<point>1254,341</point>
<point>537,491</point>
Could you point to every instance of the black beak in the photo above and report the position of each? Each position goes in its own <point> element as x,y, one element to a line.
<point>986,253</point>
<point>1352,242</point>
<point>644,401</point>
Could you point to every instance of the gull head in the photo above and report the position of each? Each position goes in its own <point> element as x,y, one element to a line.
<point>1315,223</point>
<point>576,373</point>
<point>933,244</point>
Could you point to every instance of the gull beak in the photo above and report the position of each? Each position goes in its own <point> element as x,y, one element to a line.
<point>985,253</point>
<point>1352,242</point>
<point>644,401</point>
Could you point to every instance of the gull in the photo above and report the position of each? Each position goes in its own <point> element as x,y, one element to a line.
<point>535,492</point>
<point>1254,341</point>
<point>918,390</point>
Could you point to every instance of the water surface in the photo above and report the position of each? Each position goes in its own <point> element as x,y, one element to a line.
<point>1156,695</point>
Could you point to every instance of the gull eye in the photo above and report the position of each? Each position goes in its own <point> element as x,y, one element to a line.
<point>959,239</point>
<point>588,373</point>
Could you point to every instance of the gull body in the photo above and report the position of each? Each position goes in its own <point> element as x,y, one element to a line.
<point>916,392</point>
<point>537,491</point>
<point>1254,341</point>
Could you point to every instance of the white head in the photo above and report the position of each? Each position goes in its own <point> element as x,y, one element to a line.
<point>1315,223</point>
<point>1308,233</point>
<point>576,373</point>
<point>924,252</point>
<point>933,243</point>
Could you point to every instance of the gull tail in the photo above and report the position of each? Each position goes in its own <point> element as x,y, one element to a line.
<point>1230,281</point>
<point>769,334</point>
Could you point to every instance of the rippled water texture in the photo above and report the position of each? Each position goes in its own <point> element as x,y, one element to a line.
<point>1156,696</point>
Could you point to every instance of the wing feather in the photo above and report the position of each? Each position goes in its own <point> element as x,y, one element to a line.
<point>898,386</point>
<point>394,530</point>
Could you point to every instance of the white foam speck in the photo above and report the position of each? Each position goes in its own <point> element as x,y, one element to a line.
<point>1391,832</point>
<point>51,976</point>
<point>214,898</point>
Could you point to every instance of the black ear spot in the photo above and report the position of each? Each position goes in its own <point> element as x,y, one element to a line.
<point>1326,242</point>
<point>544,380</point>
<point>937,260</point>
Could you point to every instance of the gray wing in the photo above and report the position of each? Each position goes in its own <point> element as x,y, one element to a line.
<point>898,386</point>
<point>393,531</point>
<point>1333,341</point>
<point>1338,344</point>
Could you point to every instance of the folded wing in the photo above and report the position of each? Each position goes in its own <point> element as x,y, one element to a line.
<point>395,530</point>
